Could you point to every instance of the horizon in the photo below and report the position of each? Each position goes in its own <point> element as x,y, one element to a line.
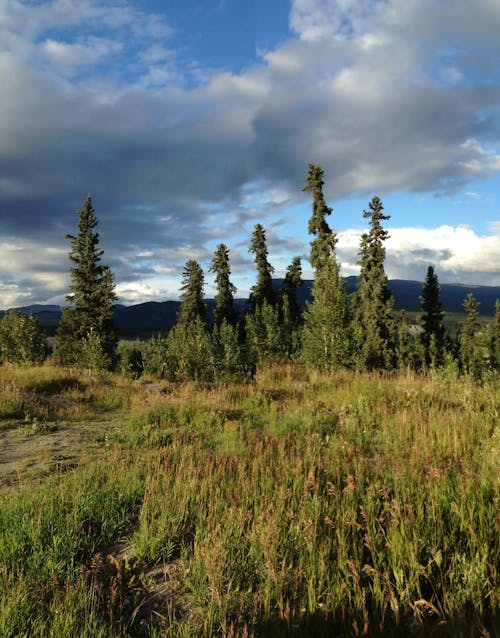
<point>245,297</point>
<point>190,122</point>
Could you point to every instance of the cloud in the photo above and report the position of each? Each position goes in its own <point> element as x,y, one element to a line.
<point>400,95</point>
<point>458,254</point>
<point>85,52</point>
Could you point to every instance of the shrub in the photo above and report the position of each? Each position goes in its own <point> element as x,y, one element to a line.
<point>21,339</point>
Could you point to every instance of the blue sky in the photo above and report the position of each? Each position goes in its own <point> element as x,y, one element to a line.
<point>191,121</point>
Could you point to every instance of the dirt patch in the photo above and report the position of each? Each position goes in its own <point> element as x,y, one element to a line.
<point>33,450</point>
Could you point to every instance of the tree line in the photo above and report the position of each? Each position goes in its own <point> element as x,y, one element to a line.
<point>361,331</point>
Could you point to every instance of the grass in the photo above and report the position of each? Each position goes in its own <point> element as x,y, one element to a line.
<point>47,393</point>
<point>303,504</point>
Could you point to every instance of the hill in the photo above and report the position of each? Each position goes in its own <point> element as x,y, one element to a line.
<point>152,317</point>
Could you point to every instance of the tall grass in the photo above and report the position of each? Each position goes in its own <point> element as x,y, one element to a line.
<point>303,504</point>
<point>47,393</point>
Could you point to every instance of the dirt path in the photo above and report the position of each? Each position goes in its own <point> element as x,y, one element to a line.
<point>28,452</point>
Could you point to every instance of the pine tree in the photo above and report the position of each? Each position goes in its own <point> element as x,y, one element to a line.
<point>326,339</point>
<point>323,247</point>
<point>470,350</point>
<point>293,281</point>
<point>406,346</point>
<point>193,306</point>
<point>433,335</point>
<point>224,301</point>
<point>263,289</point>
<point>264,334</point>
<point>90,316</point>
<point>494,338</point>
<point>373,301</point>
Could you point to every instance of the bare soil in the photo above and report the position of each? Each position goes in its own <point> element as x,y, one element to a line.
<point>31,451</point>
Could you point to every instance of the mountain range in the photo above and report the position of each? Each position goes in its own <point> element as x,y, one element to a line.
<point>153,317</point>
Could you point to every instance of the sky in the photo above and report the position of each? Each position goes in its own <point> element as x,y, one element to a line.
<point>190,121</point>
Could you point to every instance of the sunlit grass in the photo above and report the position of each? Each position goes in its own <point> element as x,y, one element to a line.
<point>302,504</point>
<point>48,393</point>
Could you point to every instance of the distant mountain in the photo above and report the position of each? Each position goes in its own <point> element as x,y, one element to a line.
<point>153,317</point>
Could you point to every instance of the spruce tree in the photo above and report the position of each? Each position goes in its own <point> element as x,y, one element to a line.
<point>224,300</point>
<point>326,339</point>
<point>290,309</point>
<point>433,335</point>
<point>494,338</point>
<point>406,343</point>
<point>263,289</point>
<point>373,301</point>
<point>323,246</point>
<point>87,324</point>
<point>471,356</point>
<point>193,307</point>
<point>293,281</point>
<point>265,341</point>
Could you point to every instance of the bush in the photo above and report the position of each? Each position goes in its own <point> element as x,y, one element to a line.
<point>21,339</point>
<point>131,361</point>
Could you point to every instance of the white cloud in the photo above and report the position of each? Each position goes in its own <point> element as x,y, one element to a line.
<point>458,254</point>
<point>138,292</point>
<point>83,53</point>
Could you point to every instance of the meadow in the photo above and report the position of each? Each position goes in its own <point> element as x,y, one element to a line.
<point>301,503</point>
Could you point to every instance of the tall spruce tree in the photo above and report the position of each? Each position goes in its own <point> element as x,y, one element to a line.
<point>494,338</point>
<point>373,301</point>
<point>433,335</point>
<point>326,338</point>
<point>224,300</point>
<point>471,356</point>
<point>86,334</point>
<point>263,289</point>
<point>193,307</point>
<point>293,281</point>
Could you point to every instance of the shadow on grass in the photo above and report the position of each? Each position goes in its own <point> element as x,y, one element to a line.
<point>320,626</point>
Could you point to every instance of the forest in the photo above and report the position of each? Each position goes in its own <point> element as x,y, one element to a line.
<point>285,471</point>
<point>361,331</point>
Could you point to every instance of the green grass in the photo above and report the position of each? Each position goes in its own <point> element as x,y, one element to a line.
<point>304,504</point>
<point>47,393</point>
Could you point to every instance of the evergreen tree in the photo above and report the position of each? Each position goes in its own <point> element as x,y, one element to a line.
<point>224,301</point>
<point>323,246</point>
<point>90,317</point>
<point>264,335</point>
<point>193,306</point>
<point>407,346</point>
<point>263,289</point>
<point>494,338</point>
<point>470,350</point>
<point>433,335</point>
<point>229,358</point>
<point>290,309</point>
<point>373,313</point>
<point>293,281</point>
<point>326,338</point>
